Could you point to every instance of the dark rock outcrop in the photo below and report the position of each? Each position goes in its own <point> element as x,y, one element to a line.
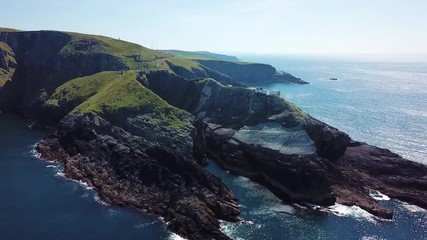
<point>42,65</point>
<point>250,73</point>
<point>203,72</point>
<point>155,173</point>
<point>139,152</point>
<point>364,167</point>
<point>299,158</point>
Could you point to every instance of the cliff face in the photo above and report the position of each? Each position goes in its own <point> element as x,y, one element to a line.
<point>191,70</point>
<point>250,73</point>
<point>43,64</point>
<point>131,170</point>
<point>110,131</point>
<point>139,135</point>
<point>299,158</point>
<point>138,152</point>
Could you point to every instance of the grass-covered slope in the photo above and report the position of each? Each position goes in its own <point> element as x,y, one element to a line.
<point>187,64</point>
<point>111,94</point>
<point>81,89</point>
<point>44,60</point>
<point>204,55</point>
<point>7,63</point>
<point>38,62</point>
<point>133,55</point>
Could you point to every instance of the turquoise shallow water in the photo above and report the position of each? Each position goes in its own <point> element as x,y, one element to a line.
<point>380,103</point>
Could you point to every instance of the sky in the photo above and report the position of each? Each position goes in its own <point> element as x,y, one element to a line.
<point>237,26</point>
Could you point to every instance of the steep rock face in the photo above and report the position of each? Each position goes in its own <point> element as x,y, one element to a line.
<point>138,152</point>
<point>365,167</point>
<point>129,169</point>
<point>299,158</point>
<point>254,135</point>
<point>196,71</point>
<point>250,73</point>
<point>291,176</point>
<point>42,64</point>
<point>166,84</point>
<point>330,142</point>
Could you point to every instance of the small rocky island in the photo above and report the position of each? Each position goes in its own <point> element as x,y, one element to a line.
<point>138,125</point>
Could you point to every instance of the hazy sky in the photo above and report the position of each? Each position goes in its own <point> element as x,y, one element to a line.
<point>251,26</point>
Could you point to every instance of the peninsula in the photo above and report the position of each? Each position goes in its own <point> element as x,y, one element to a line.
<point>138,125</point>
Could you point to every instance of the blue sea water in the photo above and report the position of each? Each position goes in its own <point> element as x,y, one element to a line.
<point>381,103</point>
<point>36,203</point>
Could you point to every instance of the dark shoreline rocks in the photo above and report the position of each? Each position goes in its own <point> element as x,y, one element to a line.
<point>154,179</point>
<point>138,151</point>
<point>339,170</point>
<point>251,73</point>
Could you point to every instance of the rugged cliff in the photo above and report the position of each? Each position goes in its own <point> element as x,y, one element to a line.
<point>137,124</point>
<point>242,73</point>
<point>112,132</point>
<point>299,158</point>
<point>138,152</point>
<point>250,73</point>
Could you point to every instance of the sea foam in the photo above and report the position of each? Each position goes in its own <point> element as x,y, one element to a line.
<point>175,236</point>
<point>378,195</point>
<point>412,208</point>
<point>353,212</point>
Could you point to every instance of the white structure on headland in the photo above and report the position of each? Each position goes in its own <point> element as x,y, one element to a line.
<point>275,92</point>
<point>265,91</point>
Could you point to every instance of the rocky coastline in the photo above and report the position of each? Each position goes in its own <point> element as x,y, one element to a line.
<point>127,171</point>
<point>296,156</point>
<point>141,135</point>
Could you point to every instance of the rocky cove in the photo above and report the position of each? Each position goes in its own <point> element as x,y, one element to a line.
<point>146,152</point>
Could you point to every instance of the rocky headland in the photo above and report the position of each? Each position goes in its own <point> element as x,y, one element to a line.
<point>251,73</point>
<point>138,125</point>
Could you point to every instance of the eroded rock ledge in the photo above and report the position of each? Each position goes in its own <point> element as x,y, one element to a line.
<point>128,170</point>
<point>299,158</point>
<point>138,151</point>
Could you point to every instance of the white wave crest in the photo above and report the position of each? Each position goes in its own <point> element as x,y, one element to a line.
<point>98,200</point>
<point>53,166</point>
<point>175,236</point>
<point>371,238</point>
<point>353,212</point>
<point>412,208</point>
<point>378,195</point>
<point>229,229</point>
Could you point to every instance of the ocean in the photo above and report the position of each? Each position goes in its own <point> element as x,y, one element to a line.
<point>37,202</point>
<point>379,102</point>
